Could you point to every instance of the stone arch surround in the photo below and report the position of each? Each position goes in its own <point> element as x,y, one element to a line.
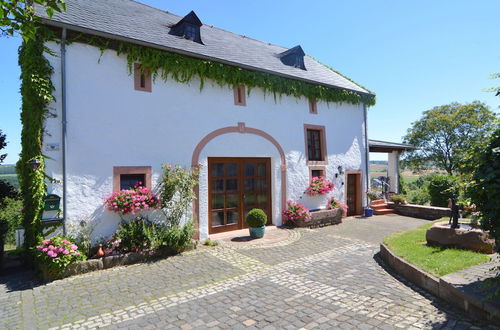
<point>242,129</point>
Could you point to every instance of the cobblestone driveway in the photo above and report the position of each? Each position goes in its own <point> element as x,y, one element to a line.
<point>323,278</point>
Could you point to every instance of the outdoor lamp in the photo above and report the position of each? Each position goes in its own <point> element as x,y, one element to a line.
<point>35,164</point>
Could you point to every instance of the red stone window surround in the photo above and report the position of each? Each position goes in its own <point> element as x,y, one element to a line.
<point>120,172</point>
<point>313,107</point>
<point>142,79</point>
<point>315,145</point>
<point>240,95</point>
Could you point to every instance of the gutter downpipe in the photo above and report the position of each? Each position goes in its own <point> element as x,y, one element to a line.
<point>63,119</point>
<point>367,156</point>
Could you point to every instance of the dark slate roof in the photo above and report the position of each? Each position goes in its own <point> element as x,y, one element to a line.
<point>139,23</point>
<point>384,146</point>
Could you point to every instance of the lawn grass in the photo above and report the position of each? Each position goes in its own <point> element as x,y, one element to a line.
<point>411,246</point>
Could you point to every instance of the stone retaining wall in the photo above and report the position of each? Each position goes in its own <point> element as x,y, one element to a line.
<point>420,211</point>
<point>440,287</point>
<point>322,218</point>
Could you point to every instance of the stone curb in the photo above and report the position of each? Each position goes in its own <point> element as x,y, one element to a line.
<point>441,288</point>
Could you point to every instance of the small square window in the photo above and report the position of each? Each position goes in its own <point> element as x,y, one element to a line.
<point>142,79</point>
<point>313,107</point>
<point>317,173</point>
<point>128,181</point>
<point>239,95</point>
<point>126,177</point>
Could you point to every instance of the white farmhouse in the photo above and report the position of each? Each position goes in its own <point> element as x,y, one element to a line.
<point>259,144</point>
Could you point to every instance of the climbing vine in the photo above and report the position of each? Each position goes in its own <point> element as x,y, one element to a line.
<point>36,93</point>
<point>183,69</point>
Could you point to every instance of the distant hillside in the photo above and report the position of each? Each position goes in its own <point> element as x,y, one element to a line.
<point>8,174</point>
<point>378,162</point>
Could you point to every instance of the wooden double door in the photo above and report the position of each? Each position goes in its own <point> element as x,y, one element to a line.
<point>235,186</point>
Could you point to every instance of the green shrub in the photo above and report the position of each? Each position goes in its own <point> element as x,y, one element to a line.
<point>4,228</point>
<point>54,255</point>
<point>256,218</point>
<point>418,196</point>
<point>441,188</point>
<point>140,234</point>
<point>12,212</point>
<point>209,242</point>
<point>398,199</point>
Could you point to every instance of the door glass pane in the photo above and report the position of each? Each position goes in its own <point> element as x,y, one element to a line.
<point>232,201</point>
<point>218,169</point>
<point>217,201</point>
<point>232,217</point>
<point>218,186</point>
<point>231,169</point>
<point>261,169</point>
<point>231,185</point>
<point>249,169</point>
<point>261,198</point>
<point>260,184</point>
<point>249,184</point>
<point>250,199</point>
<point>217,218</point>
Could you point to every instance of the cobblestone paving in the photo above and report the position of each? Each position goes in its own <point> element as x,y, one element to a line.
<point>323,278</point>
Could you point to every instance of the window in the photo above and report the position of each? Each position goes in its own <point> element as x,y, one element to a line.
<point>239,95</point>
<point>142,78</point>
<point>293,57</point>
<point>313,107</point>
<point>125,177</point>
<point>190,32</point>
<point>128,181</point>
<point>315,144</point>
<point>317,173</point>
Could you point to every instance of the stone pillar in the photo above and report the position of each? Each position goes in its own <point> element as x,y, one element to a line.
<point>392,171</point>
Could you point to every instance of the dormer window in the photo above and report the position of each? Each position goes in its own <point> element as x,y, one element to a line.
<point>293,57</point>
<point>188,27</point>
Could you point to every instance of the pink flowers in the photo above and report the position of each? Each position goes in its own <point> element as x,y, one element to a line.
<point>57,252</point>
<point>296,211</point>
<point>335,204</point>
<point>132,200</point>
<point>319,186</point>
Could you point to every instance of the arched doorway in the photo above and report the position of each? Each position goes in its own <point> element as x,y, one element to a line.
<point>242,129</point>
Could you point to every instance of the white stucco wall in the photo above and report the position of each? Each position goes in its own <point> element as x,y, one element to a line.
<point>110,124</point>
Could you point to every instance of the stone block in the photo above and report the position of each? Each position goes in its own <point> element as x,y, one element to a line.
<point>440,234</point>
<point>113,261</point>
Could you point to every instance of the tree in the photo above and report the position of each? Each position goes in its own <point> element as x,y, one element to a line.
<point>6,189</point>
<point>3,144</point>
<point>484,189</point>
<point>17,16</point>
<point>446,134</point>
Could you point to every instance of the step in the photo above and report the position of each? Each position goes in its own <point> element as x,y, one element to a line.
<point>378,201</point>
<point>379,207</point>
<point>384,211</point>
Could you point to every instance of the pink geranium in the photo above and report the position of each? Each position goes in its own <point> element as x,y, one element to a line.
<point>319,186</point>
<point>335,204</point>
<point>132,200</point>
<point>296,211</point>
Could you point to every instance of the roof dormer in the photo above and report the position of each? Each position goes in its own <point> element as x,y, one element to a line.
<point>188,27</point>
<point>293,57</point>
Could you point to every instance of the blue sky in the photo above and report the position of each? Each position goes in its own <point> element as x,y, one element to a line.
<point>413,54</point>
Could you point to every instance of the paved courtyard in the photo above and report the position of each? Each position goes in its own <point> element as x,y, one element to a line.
<point>317,278</point>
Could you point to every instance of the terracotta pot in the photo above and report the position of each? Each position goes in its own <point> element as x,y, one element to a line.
<point>100,252</point>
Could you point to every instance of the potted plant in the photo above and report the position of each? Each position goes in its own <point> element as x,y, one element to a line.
<point>256,220</point>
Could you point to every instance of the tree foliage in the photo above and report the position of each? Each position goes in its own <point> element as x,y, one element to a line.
<point>3,144</point>
<point>17,16</point>
<point>441,188</point>
<point>446,134</point>
<point>484,189</point>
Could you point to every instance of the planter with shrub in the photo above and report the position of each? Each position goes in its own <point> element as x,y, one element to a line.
<point>256,220</point>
